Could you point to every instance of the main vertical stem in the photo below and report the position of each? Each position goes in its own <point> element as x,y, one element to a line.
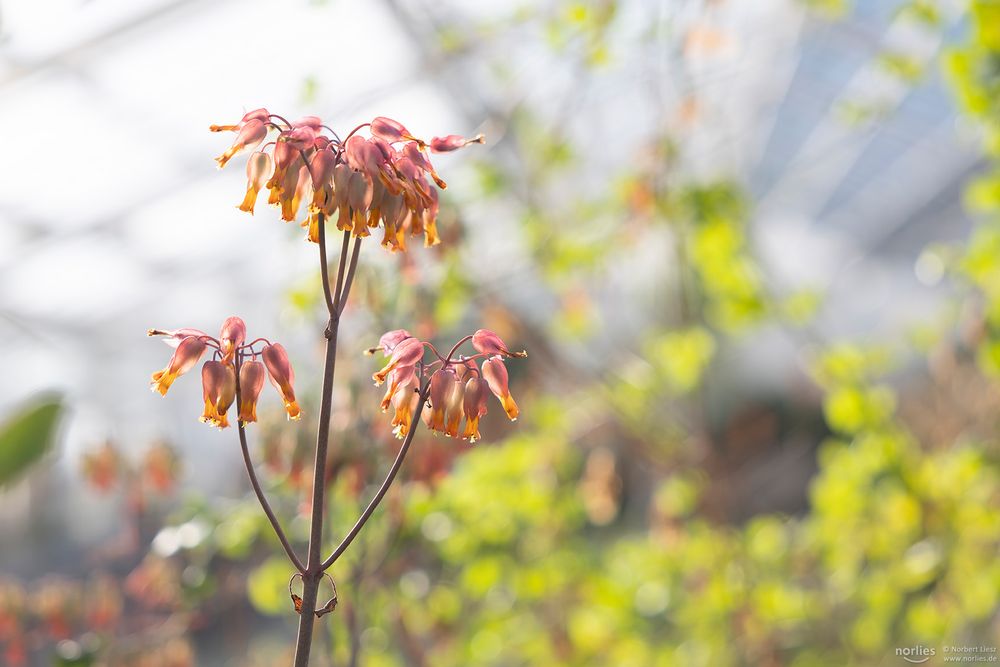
<point>313,575</point>
<point>314,566</point>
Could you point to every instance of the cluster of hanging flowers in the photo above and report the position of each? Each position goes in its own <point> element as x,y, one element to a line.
<point>233,369</point>
<point>365,182</point>
<point>457,387</point>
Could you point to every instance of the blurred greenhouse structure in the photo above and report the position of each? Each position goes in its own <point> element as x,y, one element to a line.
<point>752,249</point>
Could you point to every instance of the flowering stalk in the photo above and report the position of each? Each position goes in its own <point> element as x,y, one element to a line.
<point>366,183</point>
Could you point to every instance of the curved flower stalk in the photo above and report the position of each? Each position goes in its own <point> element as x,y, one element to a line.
<point>378,175</point>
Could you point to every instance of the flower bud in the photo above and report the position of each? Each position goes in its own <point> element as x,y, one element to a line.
<point>187,354</point>
<point>495,374</point>
<point>487,342</point>
<point>251,382</point>
<point>454,142</point>
<point>279,369</point>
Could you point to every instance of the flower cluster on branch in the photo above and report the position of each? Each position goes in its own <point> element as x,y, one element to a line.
<point>233,369</point>
<point>361,182</point>
<point>457,388</point>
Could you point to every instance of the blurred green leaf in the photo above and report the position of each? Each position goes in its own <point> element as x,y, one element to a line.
<point>26,436</point>
<point>267,587</point>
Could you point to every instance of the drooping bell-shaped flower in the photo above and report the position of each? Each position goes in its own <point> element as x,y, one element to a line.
<point>249,136</point>
<point>405,402</point>
<point>399,377</point>
<point>495,374</point>
<point>259,168</point>
<point>487,342</point>
<point>389,341</point>
<point>187,354</point>
<point>407,353</point>
<point>282,376</point>
<point>251,382</point>
<point>416,155</point>
<point>232,335</point>
<point>444,387</point>
<point>474,407</point>
<point>321,170</point>
<point>389,130</point>
<point>453,407</point>
<point>218,382</point>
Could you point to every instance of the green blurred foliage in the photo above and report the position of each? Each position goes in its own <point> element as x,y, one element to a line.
<point>590,533</point>
<point>27,435</point>
<point>506,563</point>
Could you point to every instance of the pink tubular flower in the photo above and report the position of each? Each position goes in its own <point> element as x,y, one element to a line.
<point>259,168</point>
<point>444,387</point>
<point>187,354</point>
<point>405,402</point>
<point>389,130</point>
<point>321,170</point>
<point>487,342</point>
<point>251,382</point>
<point>495,374</point>
<point>453,142</point>
<point>256,114</point>
<point>407,353</point>
<point>233,334</point>
<point>282,376</point>
<point>474,407</point>
<point>218,381</point>
<point>389,341</point>
<point>453,406</point>
<point>249,136</point>
<point>400,377</point>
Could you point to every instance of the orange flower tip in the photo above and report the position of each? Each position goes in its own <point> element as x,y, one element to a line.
<point>523,354</point>
<point>221,128</point>
<point>478,139</point>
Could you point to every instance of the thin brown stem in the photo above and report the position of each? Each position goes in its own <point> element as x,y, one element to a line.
<point>340,274</point>
<point>342,296</point>
<point>323,268</point>
<point>255,483</point>
<point>455,348</point>
<point>389,478</point>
